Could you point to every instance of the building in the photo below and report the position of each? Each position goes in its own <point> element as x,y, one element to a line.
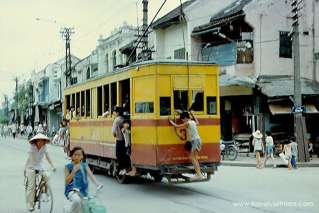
<point>250,40</point>
<point>48,85</point>
<point>85,68</point>
<point>117,49</point>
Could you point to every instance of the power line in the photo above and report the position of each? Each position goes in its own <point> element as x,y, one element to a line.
<point>102,24</point>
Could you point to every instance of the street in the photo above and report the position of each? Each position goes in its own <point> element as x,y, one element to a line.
<point>232,189</point>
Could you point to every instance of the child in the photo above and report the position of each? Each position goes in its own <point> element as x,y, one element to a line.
<point>269,148</point>
<point>294,153</point>
<point>37,152</point>
<point>127,139</point>
<point>193,136</point>
<point>258,147</point>
<point>287,151</point>
<point>76,180</point>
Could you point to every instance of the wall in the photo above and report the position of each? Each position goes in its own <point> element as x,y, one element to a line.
<point>170,39</point>
<point>268,17</point>
<point>316,34</point>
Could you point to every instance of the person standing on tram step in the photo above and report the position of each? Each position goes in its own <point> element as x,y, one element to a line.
<point>193,136</point>
<point>120,148</point>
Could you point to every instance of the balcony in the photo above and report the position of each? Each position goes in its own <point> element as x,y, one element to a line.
<point>240,52</point>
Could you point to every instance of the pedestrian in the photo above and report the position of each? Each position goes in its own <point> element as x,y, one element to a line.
<point>40,129</point>
<point>258,147</point>
<point>76,180</point>
<point>2,130</point>
<point>287,153</point>
<point>120,148</point>
<point>269,148</point>
<point>14,131</point>
<point>294,152</point>
<point>34,164</point>
<point>66,124</point>
<point>190,122</point>
<point>29,131</point>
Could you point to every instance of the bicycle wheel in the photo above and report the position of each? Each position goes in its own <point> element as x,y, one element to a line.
<point>232,153</point>
<point>46,201</point>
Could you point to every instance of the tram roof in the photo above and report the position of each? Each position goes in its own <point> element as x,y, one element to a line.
<point>150,62</point>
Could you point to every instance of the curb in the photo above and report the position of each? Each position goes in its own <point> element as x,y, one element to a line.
<point>242,164</point>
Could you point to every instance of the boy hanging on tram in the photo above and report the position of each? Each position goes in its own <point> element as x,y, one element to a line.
<point>191,122</point>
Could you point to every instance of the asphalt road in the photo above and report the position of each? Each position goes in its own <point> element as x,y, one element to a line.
<point>231,189</point>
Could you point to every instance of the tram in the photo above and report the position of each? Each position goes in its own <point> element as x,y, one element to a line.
<point>150,93</point>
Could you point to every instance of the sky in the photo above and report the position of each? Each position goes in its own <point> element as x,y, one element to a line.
<point>30,31</point>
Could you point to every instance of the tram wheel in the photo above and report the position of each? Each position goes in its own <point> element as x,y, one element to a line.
<point>157,177</point>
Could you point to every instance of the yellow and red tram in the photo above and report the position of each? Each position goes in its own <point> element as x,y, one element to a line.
<point>150,92</point>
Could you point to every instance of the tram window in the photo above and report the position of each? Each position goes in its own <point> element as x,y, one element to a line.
<point>77,105</point>
<point>180,99</point>
<point>198,101</point>
<point>144,107</point>
<point>113,95</point>
<point>165,106</point>
<point>106,98</point>
<point>68,102</point>
<point>125,96</point>
<point>82,104</point>
<point>211,105</point>
<point>73,101</point>
<point>88,103</point>
<point>99,101</point>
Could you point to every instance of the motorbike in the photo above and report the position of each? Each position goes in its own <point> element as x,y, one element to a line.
<point>229,150</point>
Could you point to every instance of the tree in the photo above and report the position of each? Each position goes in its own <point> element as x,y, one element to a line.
<point>4,111</point>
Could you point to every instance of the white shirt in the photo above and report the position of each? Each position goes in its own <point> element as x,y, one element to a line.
<point>36,157</point>
<point>269,141</point>
<point>192,130</point>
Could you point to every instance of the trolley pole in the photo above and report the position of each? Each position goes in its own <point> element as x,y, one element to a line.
<point>66,36</point>
<point>299,120</point>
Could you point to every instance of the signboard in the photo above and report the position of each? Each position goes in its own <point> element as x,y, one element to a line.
<point>316,55</point>
<point>298,109</point>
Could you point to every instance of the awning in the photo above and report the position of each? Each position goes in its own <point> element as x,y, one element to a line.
<point>279,109</point>
<point>280,86</point>
<point>231,85</point>
<point>311,109</point>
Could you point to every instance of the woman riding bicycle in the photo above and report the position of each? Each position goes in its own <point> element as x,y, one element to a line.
<point>37,152</point>
<point>76,180</point>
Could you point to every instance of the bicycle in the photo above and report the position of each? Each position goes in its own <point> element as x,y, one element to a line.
<point>43,197</point>
<point>90,205</point>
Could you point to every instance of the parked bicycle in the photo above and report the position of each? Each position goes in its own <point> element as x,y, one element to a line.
<point>43,199</point>
<point>229,150</point>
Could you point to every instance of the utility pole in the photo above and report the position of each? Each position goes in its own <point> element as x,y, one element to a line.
<point>145,50</point>
<point>66,36</point>
<point>299,120</point>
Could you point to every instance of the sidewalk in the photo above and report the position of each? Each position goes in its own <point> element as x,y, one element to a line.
<point>250,161</point>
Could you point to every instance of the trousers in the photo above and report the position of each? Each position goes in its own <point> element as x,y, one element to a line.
<point>75,203</point>
<point>30,186</point>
